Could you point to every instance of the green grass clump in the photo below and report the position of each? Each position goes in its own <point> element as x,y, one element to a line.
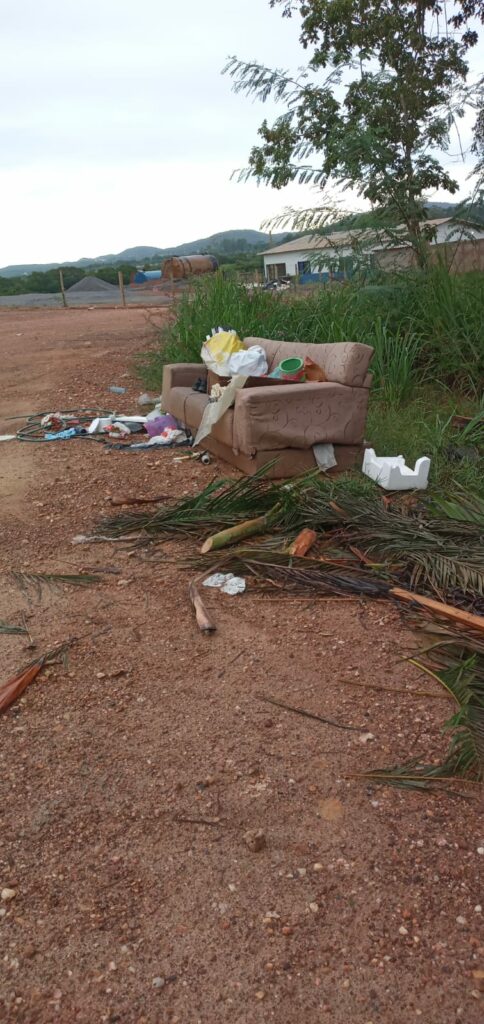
<point>423,426</point>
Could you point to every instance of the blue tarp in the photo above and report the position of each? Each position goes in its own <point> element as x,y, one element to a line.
<point>321,278</point>
<point>146,275</point>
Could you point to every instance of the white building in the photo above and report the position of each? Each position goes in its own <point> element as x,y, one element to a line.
<point>316,257</point>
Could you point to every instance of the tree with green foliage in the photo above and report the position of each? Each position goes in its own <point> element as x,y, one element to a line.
<point>47,281</point>
<point>372,110</point>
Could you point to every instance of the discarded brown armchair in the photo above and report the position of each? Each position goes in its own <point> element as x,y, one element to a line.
<point>283,421</point>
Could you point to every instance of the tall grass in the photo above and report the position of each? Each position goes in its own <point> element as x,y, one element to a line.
<point>420,325</point>
<point>427,332</point>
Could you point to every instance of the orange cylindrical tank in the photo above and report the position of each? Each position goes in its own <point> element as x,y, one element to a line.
<point>177,267</point>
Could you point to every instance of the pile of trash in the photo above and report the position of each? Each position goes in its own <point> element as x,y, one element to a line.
<point>111,428</point>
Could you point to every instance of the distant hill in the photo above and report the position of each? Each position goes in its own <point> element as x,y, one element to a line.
<point>229,243</point>
<point>241,240</point>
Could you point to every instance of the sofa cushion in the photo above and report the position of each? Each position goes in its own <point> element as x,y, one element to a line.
<point>188,406</point>
<point>298,416</point>
<point>178,398</point>
<point>344,362</point>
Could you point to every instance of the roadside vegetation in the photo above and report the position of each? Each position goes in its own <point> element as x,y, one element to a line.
<point>427,330</point>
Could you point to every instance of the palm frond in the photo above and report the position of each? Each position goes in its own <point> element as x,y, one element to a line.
<point>305,575</point>
<point>221,503</point>
<point>449,571</point>
<point>27,581</point>
<point>6,627</point>
<point>460,670</point>
<point>434,545</point>
<point>463,508</point>
<point>410,775</point>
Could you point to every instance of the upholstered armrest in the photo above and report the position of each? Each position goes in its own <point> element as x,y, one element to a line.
<point>298,416</point>
<point>181,375</point>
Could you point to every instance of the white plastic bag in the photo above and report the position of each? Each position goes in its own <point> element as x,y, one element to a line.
<point>218,349</point>
<point>250,361</point>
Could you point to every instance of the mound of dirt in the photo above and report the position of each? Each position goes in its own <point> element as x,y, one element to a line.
<point>93,284</point>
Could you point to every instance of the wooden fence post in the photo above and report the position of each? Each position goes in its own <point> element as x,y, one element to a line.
<point>121,288</point>
<point>61,279</point>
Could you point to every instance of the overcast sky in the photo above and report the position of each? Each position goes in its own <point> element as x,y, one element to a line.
<point>117,129</point>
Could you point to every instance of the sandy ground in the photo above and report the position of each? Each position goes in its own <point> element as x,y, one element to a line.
<point>130,778</point>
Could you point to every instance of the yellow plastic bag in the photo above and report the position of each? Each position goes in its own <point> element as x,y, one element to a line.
<point>218,349</point>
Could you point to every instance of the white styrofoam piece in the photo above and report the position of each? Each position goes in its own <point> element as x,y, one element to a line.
<point>97,425</point>
<point>226,582</point>
<point>392,473</point>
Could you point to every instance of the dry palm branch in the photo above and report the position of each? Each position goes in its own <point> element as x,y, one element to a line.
<point>7,627</point>
<point>12,688</point>
<point>27,581</point>
<point>222,503</point>
<point>439,548</point>
<point>438,544</point>
<point>459,668</point>
<point>303,575</point>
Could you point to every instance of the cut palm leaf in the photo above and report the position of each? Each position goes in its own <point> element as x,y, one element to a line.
<point>36,580</point>
<point>11,690</point>
<point>7,627</point>
<point>461,672</point>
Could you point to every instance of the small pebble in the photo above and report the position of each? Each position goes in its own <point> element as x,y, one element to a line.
<point>478,909</point>
<point>402,930</point>
<point>8,894</point>
<point>461,920</point>
<point>480,850</point>
<point>255,840</point>
<point>314,907</point>
<point>318,867</point>
<point>158,982</point>
<point>260,995</point>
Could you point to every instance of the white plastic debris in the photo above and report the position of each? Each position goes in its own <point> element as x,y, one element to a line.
<point>145,399</point>
<point>324,455</point>
<point>392,473</point>
<point>157,411</point>
<point>99,424</point>
<point>7,437</point>
<point>226,582</point>
<point>251,361</point>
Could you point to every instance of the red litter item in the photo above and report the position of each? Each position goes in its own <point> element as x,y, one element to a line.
<point>14,687</point>
<point>53,422</point>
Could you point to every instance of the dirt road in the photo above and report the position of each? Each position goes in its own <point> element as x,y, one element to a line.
<point>130,778</point>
